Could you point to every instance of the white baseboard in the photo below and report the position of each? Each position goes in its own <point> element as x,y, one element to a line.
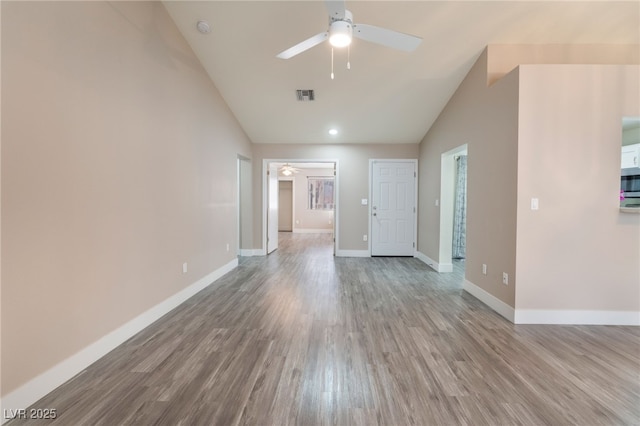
<point>353,253</point>
<point>576,317</point>
<point>445,267</point>
<point>439,267</point>
<point>36,388</point>
<point>312,231</point>
<point>251,252</point>
<point>551,316</point>
<point>490,300</point>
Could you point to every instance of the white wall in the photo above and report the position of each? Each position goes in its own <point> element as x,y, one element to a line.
<point>306,220</point>
<point>484,118</point>
<point>353,171</point>
<point>552,132</point>
<point>631,136</point>
<point>504,58</point>
<point>119,163</point>
<point>246,206</point>
<point>578,252</point>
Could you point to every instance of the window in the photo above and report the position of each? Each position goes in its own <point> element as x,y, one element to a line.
<point>321,192</point>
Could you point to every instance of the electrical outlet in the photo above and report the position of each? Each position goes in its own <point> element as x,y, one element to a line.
<point>364,237</point>
<point>505,278</point>
<point>484,269</point>
<point>227,246</point>
<point>184,268</point>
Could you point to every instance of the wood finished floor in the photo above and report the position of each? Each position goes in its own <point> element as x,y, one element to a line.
<point>301,337</point>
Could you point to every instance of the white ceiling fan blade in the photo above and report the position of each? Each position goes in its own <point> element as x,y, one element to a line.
<point>386,37</point>
<point>336,9</point>
<point>302,46</point>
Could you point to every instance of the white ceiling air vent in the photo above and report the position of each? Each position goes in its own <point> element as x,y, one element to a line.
<point>305,95</point>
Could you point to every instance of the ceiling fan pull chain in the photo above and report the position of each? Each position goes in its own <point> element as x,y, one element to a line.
<point>332,63</point>
<point>348,57</point>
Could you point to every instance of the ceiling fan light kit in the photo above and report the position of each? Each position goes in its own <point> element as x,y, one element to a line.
<point>288,169</point>
<point>340,34</point>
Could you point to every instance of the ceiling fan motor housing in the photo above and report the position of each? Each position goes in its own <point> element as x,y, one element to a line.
<point>341,29</point>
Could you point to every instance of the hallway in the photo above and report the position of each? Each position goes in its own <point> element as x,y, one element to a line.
<point>301,337</point>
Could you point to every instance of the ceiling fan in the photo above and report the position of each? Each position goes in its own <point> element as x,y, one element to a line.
<point>342,29</point>
<point>288,169</point>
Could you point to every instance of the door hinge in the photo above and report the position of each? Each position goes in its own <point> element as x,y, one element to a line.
<point>268,172</point>
<point>414,209</point>
<point>414,245</point>
<point>414,174</point>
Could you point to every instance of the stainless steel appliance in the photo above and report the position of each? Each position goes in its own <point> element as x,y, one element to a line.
<point>630,186</point>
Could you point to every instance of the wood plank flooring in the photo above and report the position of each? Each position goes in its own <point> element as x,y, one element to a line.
<point>303,338</point>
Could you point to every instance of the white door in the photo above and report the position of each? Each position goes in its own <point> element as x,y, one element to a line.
<point>272,209</point>
<point>393,208</point>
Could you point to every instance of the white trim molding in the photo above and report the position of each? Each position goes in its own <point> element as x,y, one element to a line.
<point>36,388</point>
<point>438,267</point>
<point>490,300</point>
<point>312,231</point>
<point>576,317</point>
<point>353,253</point>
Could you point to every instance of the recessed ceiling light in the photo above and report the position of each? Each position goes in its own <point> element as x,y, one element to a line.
<point>333,132</point>
<point>203,27</point>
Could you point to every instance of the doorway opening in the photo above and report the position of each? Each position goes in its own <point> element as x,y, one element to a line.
<point>304,197</point>
<point>285,205</point>
<point>453,209</point>
<point>245,209</point>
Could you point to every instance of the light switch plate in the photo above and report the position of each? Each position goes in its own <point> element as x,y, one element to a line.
<point>364,202</point>
<point>534,204</point>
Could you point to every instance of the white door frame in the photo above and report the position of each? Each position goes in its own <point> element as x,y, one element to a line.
<point>273,208</point>
<point>265,201</point>
<point>415,198</point>
<point>447,197</point>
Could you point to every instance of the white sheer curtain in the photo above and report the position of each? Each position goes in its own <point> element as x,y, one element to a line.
<point>321,193</point>
<point>460,210</point>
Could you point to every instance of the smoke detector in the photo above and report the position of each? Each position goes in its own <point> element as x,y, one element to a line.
<point>203,27</point>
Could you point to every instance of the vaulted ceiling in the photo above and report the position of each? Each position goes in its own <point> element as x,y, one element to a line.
<point>387,96</point>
